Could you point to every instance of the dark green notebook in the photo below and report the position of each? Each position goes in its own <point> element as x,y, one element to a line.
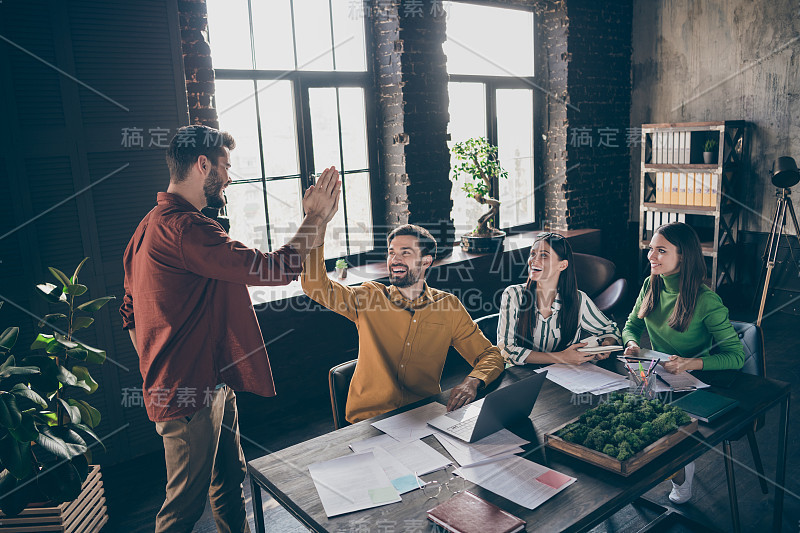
<point>705,406</point>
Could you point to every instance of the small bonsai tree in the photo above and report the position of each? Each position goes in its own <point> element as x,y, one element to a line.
<point>479,163</point>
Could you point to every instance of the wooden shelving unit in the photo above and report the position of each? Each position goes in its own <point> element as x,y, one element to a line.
<point>730,172</point>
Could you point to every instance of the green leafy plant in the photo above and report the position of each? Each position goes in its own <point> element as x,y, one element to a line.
<point>478,162</point>
<point>341,263</point>
<point>710,146</point>
<point>44,425</point>
<point>624,425</point>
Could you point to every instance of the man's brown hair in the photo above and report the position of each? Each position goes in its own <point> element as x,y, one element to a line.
<point>189,143</point>
<point>425,241</point>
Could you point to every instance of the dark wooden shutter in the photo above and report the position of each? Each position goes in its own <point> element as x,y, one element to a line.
<point>61,138</point>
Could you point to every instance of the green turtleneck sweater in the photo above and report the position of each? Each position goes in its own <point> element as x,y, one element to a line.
<point>709,327</point>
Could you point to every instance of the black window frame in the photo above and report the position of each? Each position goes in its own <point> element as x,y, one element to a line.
<point>301,81</point>
<point>491,85</point>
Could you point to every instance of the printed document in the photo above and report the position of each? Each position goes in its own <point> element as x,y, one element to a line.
<point>585,377</point>
<point>523,482</point>
<point>352,483</point>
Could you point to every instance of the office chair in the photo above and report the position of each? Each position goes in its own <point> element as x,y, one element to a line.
<point>488,325</point>
<point>754,363</point>
<point>595,277</point>
<point>339,378</point>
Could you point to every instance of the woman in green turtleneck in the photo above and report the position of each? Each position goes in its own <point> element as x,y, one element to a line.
<point>683,318</point>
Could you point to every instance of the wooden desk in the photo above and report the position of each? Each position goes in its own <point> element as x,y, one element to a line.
<point>593,498</point>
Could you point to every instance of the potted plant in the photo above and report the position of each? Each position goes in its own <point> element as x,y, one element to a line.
<point>44,422</point>
<point>478,162</point>
<point>709,151</point>
<point>341,268</point>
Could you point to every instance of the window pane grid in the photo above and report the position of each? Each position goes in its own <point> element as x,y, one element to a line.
<point>343,65</point>
<point>503,113</point>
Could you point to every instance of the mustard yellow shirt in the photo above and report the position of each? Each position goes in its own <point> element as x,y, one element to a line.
<point>402,344</point>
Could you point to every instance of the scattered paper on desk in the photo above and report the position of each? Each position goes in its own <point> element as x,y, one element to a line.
<point>411,424</point>
<point>682,380</point>
<point>523,482</point>
<point>372,442</point>
<point>352,483</point>
<point>401,477</point>
<point>585,377</point>
<point>502,442</point>
<point>414,454</point>
<point>624,384</point>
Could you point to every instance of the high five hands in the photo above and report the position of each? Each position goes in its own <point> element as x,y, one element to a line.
<point>322,200</point>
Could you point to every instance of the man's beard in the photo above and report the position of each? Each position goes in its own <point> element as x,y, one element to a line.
<point>212,188</point>
<point>411,277</point>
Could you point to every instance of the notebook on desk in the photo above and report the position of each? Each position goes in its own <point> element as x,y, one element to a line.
<point>705,406</point>
<point>494,412</point>
<point>467,513</point>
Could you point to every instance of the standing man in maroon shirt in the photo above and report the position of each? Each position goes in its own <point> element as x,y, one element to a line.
<point>191,320</point>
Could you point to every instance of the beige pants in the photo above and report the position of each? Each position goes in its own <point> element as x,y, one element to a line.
<point>204,459</point>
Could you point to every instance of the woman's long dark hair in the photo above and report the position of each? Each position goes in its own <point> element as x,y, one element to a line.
<point>692,275</point>
<point>569,314</point>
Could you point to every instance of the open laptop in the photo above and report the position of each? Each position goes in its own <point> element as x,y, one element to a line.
<point>498,409</point>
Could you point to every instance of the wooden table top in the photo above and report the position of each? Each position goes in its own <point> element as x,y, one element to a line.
<point>596,495</point>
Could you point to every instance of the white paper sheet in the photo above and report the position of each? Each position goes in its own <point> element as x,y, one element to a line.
<point>501,443</point>
<point>352,483</point>
<point>413,454</point>
<point>372,442</point>
<point>585,377</point>
<point>515,479</point>
<point>411,424</point>
<point>624,384</point>
<point>684,380</point>
<point>401,477</point>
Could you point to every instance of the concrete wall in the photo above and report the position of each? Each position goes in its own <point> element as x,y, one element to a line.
<point>698,60</point>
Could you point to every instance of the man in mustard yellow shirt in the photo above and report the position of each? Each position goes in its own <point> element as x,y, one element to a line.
<point>404,330</point>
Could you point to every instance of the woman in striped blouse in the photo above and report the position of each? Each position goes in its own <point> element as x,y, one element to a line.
<point>543,320</point>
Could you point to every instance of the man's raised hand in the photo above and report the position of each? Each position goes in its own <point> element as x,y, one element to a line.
<point>322,200</point>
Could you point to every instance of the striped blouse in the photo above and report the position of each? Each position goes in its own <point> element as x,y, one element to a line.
<point>547,333</point>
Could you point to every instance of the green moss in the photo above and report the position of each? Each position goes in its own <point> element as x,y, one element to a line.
<point>624,425</point>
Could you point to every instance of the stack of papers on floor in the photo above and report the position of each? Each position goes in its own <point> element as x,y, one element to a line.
<point>352,483</point>
<point>585,377</point>
<point>523,482</point>
<point>500,444</point>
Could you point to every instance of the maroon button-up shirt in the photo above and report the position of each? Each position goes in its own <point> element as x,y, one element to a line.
<point>186,295</point>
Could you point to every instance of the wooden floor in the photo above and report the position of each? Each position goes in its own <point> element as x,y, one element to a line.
<point>135,490</point>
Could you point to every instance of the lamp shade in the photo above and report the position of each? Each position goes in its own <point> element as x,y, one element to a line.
<point>785,173</point>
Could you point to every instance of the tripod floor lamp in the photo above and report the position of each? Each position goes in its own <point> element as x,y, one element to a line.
<point>784,176</point>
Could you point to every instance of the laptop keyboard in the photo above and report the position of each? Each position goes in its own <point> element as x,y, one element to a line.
<point>464,428</point>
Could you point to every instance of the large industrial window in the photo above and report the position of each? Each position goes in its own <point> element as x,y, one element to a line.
<point>490,61</point>
<point>291,86</point>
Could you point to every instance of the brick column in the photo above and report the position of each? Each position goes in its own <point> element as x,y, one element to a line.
<point>411,73</point>
<point>197,62</point>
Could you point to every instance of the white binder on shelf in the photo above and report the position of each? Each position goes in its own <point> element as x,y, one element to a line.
<point>714,189</point>
<point>687,146</point>
<point>668,148</point>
